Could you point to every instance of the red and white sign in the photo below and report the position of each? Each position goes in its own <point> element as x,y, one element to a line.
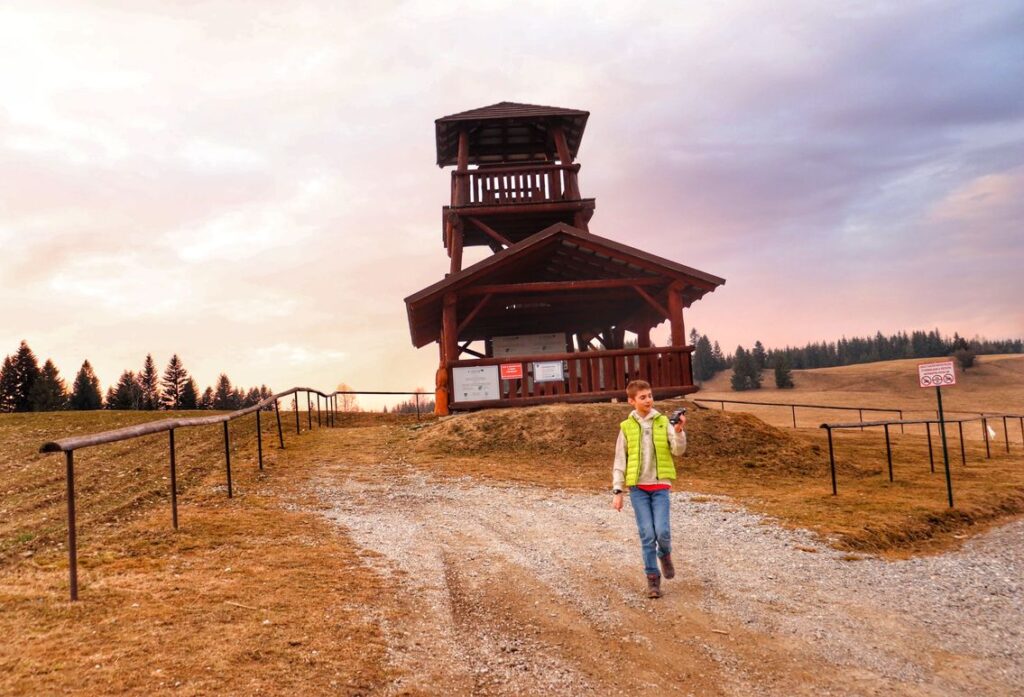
<point>511,371</point>
<point>936,374</point>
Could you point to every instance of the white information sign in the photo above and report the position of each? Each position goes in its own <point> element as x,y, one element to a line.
<point>527,345</point>
<point>936,374</point>
<point>475,383</point>
<point>548,371</point>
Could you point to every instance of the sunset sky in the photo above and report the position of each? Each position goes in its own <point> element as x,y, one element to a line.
<point>252,184</point>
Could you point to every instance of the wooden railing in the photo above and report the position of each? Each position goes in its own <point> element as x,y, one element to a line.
<point>591,373</point>
<point>499,186</point>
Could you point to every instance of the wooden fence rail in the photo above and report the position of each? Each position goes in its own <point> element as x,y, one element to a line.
<point>326,412</point>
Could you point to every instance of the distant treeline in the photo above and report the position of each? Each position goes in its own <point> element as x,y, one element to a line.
<point>747,365</point>
<point>24,386</point>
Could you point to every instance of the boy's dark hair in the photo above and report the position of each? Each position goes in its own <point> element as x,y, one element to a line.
<point>636,386</point>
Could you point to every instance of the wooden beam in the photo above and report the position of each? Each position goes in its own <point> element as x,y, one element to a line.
<point>489,231</point>
<point>449,331</point>
<point>456,246</point>
<point>572,190</point>
<point>651,301</point>
<point>462,167</point>
<point>675,314</point>
<point>554,286</point>
<point>474,312</point>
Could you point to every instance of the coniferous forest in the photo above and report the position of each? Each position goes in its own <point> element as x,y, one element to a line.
<point>25,386</point>
<point>746,364</point>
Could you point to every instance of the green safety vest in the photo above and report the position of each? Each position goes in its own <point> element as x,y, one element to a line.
<point>633,431</point>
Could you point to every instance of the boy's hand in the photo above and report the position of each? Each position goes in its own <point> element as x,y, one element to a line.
<point>617,502</point>
<point>680,424</point>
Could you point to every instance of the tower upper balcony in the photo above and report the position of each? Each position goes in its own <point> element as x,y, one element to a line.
<point>508,154</point>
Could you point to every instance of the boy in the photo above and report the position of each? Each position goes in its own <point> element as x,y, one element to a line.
<point>643,462</point>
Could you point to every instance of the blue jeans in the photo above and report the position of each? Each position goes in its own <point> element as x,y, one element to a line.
<point>652,522</point>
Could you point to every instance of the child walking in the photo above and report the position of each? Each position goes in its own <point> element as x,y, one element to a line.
<point>643,463</point>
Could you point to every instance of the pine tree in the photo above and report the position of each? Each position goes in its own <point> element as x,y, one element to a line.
<point>49,393</point>
<point>26,372</point>
<point>189,395</point>
<point>8,386</point>
<point>223,396</point>
<point>173,383</point>
<point>741,363</point>
<point>759,356</point>
<point>149,381</point>
<point>86,393</point>
<point>127,394</point>
<point>252,397</point>
<point>783,375</point>
<point>704,364</point>
<point>745,374</point>
<point>719,358</point>
<point>206,402</point>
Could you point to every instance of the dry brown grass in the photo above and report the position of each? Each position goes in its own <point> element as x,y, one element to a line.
<point>256,594</point>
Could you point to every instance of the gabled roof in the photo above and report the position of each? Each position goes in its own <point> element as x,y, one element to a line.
<point>507,132</point>
<point>558,253</point>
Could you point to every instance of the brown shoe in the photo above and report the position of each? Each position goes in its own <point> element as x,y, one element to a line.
<point>667,569</point>
<point>653,586</point>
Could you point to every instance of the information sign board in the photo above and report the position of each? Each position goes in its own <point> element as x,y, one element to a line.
<point>936,374</point>
<point>527,345</point>
<point>475,383</point>
<point>548,371</point>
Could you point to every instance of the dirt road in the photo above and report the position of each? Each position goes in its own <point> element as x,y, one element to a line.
<point>522,589</point>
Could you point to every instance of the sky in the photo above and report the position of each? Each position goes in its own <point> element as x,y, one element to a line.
<point>252,185</point>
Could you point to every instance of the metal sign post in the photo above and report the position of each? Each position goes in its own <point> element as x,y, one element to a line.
<point>936,375</point>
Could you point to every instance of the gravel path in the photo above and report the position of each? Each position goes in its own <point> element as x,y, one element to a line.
<point>528,590</point>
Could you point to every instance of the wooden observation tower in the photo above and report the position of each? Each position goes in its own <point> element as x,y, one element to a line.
<point>545,318</point>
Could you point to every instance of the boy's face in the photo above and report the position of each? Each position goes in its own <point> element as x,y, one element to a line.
<point>642,402</point>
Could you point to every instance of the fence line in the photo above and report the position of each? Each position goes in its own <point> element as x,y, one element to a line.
<point>983,418</point>
<point>793,407</point>
<point>326,412</point>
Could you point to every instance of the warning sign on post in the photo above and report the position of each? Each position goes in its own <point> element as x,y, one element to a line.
<point>936,374</point>
<point>511,371</point>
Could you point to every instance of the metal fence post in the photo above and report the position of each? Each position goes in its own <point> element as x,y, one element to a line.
<point>174,483</point>
<point>227,457</point>
<point>931,458</point>
<point>259,440</point>
<point>888,450</point>
<point>831,460</point>
<point>794,417</point>
<point>963,452</point>
<point>418,407</point>
<point>72,537</point>
<point>860,417</point>
<point>984,431</point>
<point>1006,432</point>
<point>280,432</point>
<point>309,409</point>
<point>298,427</point>
<point>901,419</point>
<point>318,422</point>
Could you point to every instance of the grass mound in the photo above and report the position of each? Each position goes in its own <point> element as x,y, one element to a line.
<point>553,433</point>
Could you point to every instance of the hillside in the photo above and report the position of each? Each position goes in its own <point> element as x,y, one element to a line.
<point>995,382</point>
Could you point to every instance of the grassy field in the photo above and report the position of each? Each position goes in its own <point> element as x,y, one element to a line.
<point>253,595</point>
<point>260,593</point>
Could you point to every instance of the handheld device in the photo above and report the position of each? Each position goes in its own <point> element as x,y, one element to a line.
<point>674,419</point>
